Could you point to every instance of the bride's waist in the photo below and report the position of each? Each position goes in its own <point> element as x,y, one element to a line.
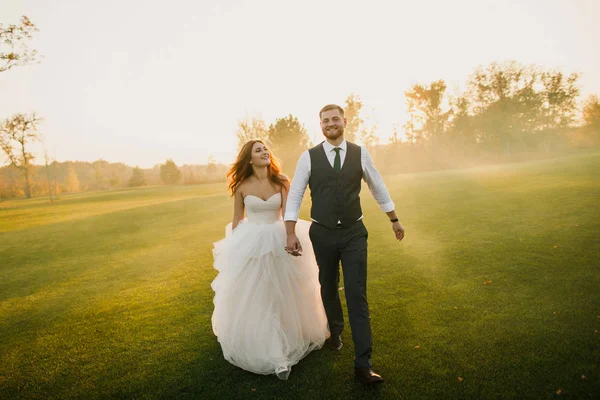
<point>262,220</point>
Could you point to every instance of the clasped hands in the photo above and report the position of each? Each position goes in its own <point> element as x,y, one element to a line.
<point>293,245</point>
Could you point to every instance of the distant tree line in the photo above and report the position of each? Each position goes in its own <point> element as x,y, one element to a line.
<point>77,176</point>
<point>507,112</point>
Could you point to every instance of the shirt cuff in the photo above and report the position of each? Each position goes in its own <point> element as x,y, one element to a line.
<point>387,207</point>
<point>290,216</point>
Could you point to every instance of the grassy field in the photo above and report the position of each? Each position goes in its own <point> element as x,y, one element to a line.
<point>494,293</point>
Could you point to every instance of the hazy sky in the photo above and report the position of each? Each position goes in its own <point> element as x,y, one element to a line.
<point>142,81</point>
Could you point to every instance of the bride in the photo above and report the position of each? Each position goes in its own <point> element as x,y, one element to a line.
<point>268,311</point>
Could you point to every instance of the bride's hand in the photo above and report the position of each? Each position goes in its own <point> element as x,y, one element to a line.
<point>293,245</point>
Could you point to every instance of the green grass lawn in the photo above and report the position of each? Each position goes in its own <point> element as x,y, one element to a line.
<point>107,295</point>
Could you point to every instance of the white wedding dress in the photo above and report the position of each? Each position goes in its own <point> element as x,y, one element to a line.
<point>268,312</point>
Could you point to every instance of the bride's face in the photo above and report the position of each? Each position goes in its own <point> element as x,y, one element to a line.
<point>332,124</point>
<point>260,155</point>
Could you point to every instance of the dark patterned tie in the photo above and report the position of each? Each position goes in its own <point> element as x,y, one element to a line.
<point>337,163</point>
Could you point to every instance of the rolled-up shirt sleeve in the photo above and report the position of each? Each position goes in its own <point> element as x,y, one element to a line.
<point>375,182</point>
<point>297,188</point>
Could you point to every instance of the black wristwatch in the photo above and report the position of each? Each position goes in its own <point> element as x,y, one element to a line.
<point>394,220</point>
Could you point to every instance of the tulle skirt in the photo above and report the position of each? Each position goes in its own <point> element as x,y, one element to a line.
<point>268,311</point>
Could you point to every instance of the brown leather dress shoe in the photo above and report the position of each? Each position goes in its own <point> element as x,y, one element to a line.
<point>367,376</point>
<point>335,342</point>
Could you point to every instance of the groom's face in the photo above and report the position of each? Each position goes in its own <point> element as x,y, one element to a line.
<point>332,124</point>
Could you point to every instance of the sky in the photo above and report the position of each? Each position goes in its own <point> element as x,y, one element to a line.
<point>142,81</point>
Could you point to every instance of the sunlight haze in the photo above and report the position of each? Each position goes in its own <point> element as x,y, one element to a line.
<point>140,81</point>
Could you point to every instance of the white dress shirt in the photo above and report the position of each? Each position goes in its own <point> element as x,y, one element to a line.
<point>302,175</point>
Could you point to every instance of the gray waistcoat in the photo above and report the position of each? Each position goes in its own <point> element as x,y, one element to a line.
<point>335,195</point>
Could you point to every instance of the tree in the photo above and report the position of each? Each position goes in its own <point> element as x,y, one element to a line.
<point>138,178</point>
<point>505,104</point>
<point>118,172</point>
<point>115,180</point>
<point>13,44</point>
<point>99,180</point>
<point>288,138</point>
<point>425,110</point>
<point>211,166</point>
<point>21,129</point>
<point>591,119</point>
<point>49,181</point>
<point>394,138</point>
<point>16,134</point>
<point>10,182</point>
<point>72,183</point>
<point>559,103</point>
<point>560,94</point>
<point>169,173</point>
<point>410,131</point>
<point>352,115</point>
<point>368,137</point>
<point>461,132</point>
<point>251,128</point>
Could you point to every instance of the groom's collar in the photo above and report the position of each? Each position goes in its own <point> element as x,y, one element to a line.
<point>329,147</point>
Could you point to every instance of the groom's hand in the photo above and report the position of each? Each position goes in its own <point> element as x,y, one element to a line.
<point>293,245</point>
<point>398,230</point>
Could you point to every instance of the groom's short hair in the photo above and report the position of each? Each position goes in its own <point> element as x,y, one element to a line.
<point>331,107</point>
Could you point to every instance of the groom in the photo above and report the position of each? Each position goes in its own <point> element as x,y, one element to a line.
<point>334,169</point>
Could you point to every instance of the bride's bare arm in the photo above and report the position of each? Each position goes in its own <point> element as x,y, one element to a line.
<point>238,208</point>
<point>293,244</point>
<point>284,194</point>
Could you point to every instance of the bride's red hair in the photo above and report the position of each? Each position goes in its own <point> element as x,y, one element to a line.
<point>242,169</point>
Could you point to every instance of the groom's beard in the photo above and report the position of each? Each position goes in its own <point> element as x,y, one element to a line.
<point>333,133</point>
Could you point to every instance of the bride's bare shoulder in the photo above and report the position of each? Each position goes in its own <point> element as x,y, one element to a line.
<point>244,187</point>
